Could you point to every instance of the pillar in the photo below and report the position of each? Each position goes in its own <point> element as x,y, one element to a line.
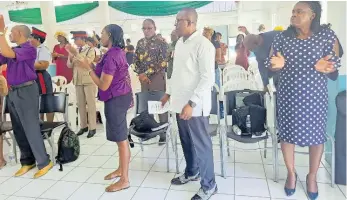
<point>49,23</point>
<point>104,13</point>
<point>273,17</point>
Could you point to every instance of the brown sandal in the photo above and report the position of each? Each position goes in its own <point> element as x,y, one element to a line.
<point>117,187</point>
<point>112,175</point>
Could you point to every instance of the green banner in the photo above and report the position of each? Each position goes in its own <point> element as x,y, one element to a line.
<point>63,13</point>
<point>155,8</point>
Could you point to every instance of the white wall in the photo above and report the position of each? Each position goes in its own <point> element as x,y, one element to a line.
<point>337,17</point>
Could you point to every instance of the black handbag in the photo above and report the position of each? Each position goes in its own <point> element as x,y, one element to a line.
<point>144,122</point>
<point>257,116</point>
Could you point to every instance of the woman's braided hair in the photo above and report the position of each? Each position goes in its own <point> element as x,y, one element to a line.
<point>316,7</point>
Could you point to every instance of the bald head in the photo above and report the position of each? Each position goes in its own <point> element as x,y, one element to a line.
<point>186,21</point>
<point>191,14</point>
<point>24,30</point>
<point>20,34</point>
<point>252,41</point>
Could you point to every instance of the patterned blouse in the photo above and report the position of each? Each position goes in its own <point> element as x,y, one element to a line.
<point>150,56</point>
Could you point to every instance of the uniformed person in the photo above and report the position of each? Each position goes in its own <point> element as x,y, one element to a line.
<point>85,87</point>
<point>23,99</point>
<point>43,59</point>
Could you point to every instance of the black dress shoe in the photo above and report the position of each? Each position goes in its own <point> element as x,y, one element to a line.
<point>91,133</point>
<point>82,131</point>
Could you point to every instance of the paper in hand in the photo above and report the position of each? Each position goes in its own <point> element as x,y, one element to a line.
<point>155,107</point>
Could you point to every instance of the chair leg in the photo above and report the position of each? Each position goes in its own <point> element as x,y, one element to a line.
<point>228,146</point>
<point>53,149</point>
<point>265,148</point>
<point>103,118</point>
<point>51,143</point>
<point>222,148</point>
<point>141,145</point>
<point>167,147</point>
<point>176,155</point>
<point>275,158</point>
<point>332,161</point>
<point>14,146</point>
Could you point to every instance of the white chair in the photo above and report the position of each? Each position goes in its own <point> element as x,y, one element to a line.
<point>72,106</point>
<point>233,73</point>
<point>62,83</point>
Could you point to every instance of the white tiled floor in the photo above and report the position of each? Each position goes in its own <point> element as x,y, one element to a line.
<point>249,176</point>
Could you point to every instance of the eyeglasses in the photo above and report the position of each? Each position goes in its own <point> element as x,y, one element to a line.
<point>144,29</point>
<point>179,20</point>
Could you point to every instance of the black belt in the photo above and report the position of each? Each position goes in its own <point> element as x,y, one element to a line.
<point>13,87</point>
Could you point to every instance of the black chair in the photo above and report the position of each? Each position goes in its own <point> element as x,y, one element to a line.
<point>214,127</point>
<point>6,127</point>
<point>231,101</point>
<point>141,105</point>
<point>48,103</point>
<point>53,103</point>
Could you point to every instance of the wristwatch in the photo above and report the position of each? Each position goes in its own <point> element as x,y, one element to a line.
<point>191,103</point>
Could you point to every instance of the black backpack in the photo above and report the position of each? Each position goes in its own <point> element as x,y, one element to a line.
<point>68,147</point>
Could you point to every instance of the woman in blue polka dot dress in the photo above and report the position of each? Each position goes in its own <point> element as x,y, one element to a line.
<point>306,53</point>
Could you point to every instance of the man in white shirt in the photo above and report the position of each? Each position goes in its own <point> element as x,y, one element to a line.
<point>189,91</point>
<point>43,59</point>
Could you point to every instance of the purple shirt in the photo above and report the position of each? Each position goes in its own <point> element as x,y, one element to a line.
<point>20,69</point>
<point>114,63</point>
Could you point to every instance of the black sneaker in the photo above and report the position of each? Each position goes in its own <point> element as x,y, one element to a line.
<point>82,131</point>
<point>205,195</point>
<point>181,180</point>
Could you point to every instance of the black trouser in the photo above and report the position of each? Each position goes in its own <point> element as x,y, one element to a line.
<point>23,105</point>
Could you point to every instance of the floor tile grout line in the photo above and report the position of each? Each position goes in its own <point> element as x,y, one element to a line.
<point>234,154</point>
<point>149,171</point>
<point>131,159</point>
<point>267,182</point>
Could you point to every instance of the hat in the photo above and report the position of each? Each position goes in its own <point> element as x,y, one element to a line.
<point>37,32</point>
<point>278,28</point>
<point>79,34</point>
<point>60,33</point>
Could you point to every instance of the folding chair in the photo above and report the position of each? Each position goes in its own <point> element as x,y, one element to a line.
<point>141,104</point>
<point>230,101</point>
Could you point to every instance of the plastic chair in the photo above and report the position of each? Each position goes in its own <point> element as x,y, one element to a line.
<point>233,73</point>
<point>62,83</point>
<point>72,106</point>
<point>230,104</point>
<point>141,105</point>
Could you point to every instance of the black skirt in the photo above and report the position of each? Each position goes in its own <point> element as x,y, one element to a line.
<point>116,117</point>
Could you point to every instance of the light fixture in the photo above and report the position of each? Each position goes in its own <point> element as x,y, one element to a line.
<point>17,5</point>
